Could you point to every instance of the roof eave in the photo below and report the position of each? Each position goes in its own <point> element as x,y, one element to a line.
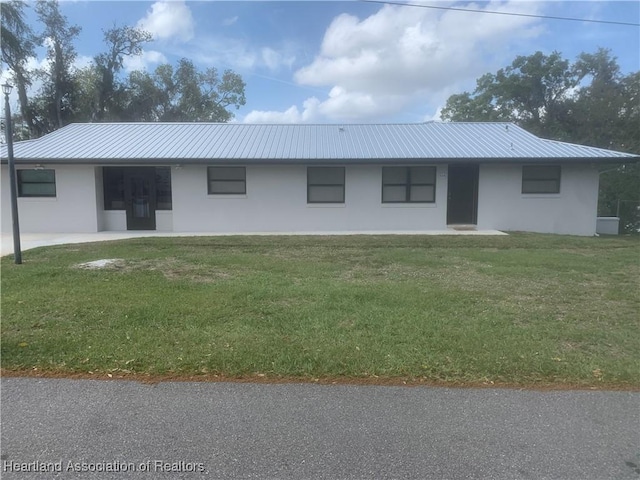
<point>324,161</point>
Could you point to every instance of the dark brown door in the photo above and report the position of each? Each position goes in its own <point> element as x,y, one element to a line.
<point>140,198</point>
<point>462,198</point>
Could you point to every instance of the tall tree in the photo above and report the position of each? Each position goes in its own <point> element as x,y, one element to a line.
<point>184,94</point>
<point>86,83</point>
<point>55,104</point>
<point>604,107</point>
<point>531,92</point>
<point>121,42</point>
<point>17,42</point>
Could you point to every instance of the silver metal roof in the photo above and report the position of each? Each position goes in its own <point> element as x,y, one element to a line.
<point>281,143</point>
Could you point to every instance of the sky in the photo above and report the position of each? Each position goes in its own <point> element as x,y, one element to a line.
<point>353,62</point>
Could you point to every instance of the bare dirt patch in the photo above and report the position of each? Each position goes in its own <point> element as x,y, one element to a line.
<point>172,268</point>
<point>103,264</point>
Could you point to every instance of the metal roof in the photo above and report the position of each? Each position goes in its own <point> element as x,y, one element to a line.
<point>281,143</point>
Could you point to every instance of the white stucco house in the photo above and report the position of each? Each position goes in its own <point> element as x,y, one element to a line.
<point>240,178</point>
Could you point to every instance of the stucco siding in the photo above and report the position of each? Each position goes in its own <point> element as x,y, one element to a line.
<point>502,206</point>
<point>73,209</point>
<point>116,220</point>
<point>164,220</point>
<point>276,201</point>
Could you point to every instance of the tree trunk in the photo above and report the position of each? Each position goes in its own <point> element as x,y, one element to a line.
<point>21,85</point>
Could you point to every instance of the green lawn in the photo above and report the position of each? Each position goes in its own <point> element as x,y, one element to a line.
<point>521,309</point>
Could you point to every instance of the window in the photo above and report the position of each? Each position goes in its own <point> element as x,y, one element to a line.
<point>408,184</point>
<point>227,180</point>
<point>325,185</point>
<point>163,188</point>
<point>113,186</point>
<point>541,179</point>
<point>36,183</point>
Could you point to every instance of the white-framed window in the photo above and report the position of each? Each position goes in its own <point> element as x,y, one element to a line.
<point>541,179</point>
<point>37,183</point>
<point>408,184</point>
<point>227,180</point>
<point>325,184</point>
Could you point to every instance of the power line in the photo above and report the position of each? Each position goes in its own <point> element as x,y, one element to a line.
<point>493,12</point>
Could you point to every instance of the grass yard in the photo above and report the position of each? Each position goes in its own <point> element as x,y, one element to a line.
<point>523,309</point>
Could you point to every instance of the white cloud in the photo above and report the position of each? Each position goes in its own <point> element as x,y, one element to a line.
<point>379,65</point>
<point>239,54</point>
<point>436,117</point>
<point>82,61</point>
<point>144,61</point>
<point>229,21</point>
<point>274,59</point>
<point>344,105</point>
<point>167,19</point>
<point>291,115</point>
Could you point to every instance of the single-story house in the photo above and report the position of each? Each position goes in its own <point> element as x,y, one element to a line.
<point>239,178</point>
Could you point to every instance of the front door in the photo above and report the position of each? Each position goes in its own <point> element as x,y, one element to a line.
<point>462,198</point>
<point>140,197</point>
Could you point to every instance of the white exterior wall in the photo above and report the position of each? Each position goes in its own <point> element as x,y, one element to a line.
<point>502,206</point>
<point>276,201</point>
<point>73,210</point>
<point>116,220</point>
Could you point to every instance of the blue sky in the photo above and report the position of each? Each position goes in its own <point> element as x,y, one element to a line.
<point>342,62</point>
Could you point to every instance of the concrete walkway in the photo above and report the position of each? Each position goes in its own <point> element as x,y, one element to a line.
<point>34,240</point>
<point>188,430</point>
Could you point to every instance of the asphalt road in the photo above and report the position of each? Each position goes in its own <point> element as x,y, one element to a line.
<point>227,430</point>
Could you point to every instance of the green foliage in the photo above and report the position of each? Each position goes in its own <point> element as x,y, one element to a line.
<point>18,44</point>
<point>620,196</point>
<point>516,309</point>
<point>121,42</point>
<point>54,106</point>
<point>100,91</point>
<point>13,31</point>
<point>588,102</point>
<point>530,92</point>
<point>183,94</point>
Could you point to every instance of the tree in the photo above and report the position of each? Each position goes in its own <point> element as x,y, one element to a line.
<point>86,84</point>
<point>17,41</point>
<point>55,102</point>
<point>589,102</point>
<point>620,196</point>
<point>121,42</point>
<point>184,94</point>
<point>530,92</point>
<point>606,111</point>
<point>100,91</point>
